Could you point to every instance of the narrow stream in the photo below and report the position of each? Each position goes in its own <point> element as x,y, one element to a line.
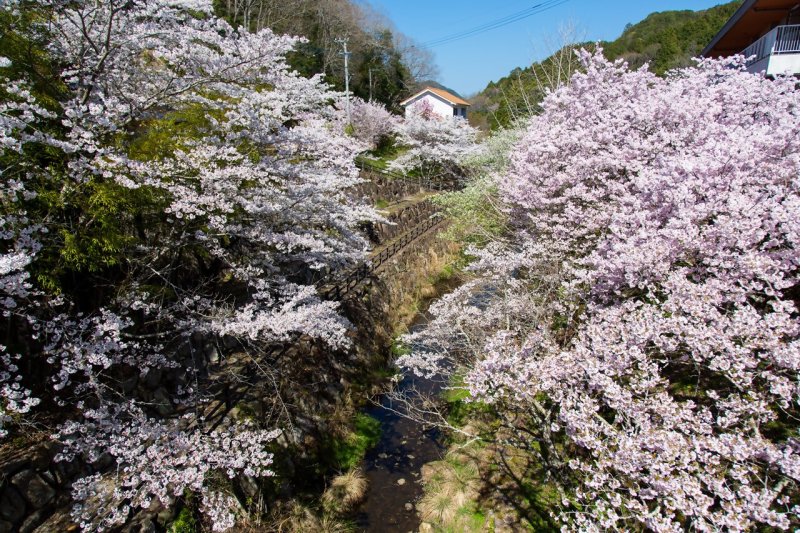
<point>393,466</point>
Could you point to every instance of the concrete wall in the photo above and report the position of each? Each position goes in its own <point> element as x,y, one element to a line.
<point>783,63</point>
<point>777,64</point>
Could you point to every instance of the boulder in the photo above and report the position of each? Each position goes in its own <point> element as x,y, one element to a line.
<point>34,488</point>
<point>32,521</point>
<point>12,506</point>
<point>129,385</point>
<point>163,404</point>
<point>211,352</point>
<point>60,521</point>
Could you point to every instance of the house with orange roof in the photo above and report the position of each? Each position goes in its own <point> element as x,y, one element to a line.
<point>441,102</point>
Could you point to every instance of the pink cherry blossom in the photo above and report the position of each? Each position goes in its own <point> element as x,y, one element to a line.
<point>645,316</point>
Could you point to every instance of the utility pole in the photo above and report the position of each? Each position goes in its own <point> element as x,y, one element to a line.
<point>370,84</point>
<point>346,55</point>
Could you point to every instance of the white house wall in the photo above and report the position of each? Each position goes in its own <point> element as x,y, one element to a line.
<point>783,64</point>
<point>777,64</point>
<point>439,106</point>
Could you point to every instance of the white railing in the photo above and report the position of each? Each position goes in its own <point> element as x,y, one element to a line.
<point>781,40</point>
<point>788,40</point>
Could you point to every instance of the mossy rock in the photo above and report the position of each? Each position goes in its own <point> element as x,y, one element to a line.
<point>348,451</point>
<point>184,523</point>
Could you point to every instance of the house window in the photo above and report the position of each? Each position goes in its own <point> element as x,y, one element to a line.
<point>455,111</point>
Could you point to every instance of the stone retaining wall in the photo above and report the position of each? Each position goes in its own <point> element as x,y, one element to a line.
<point>382,188</point>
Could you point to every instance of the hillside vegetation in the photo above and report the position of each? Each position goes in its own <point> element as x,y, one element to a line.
<point>384,64</point>
<point>664,40</point>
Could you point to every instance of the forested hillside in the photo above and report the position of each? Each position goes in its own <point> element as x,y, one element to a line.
<point>664,40</point>
<point>384,64</point>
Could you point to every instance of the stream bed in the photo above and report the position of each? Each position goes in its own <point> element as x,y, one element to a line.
<point>392,467</point>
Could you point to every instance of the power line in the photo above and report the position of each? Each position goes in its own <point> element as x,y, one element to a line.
<point>509,19</point>
<point>499,23</point>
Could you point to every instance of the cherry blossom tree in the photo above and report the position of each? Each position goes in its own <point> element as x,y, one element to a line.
<point>372,123</point>
<point>645,319</point>
<point>436,145</point>
<point>197,187</point>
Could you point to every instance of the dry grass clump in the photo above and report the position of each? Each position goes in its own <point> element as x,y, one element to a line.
<point>342,495</point>
<point>299,518</point>
<point>415,276</point>
<point>345,492</point>
<point>450,486</point>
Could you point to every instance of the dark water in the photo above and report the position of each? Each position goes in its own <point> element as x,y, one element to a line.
<point>393,471</point>
<point>405,446</point>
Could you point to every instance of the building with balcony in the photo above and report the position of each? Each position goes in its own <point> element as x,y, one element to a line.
<point>765,31</point>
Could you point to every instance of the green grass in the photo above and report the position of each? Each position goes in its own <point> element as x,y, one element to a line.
<point>245,412</point>
<point>184,522</point>
<point>455,394</point>
<point>539,497</point>
<point>383,373</point>
<point>377,374</point>
<point>471,519</point>
<point>388,149</point>
<point>349,450</point>
<point>445,274</point>
<point>399,349</point>
<point>382,157</point>
<point>459,409</point>
<point>380,164</point>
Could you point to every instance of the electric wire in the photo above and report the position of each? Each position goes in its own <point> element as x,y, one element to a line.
<point>498,23</point>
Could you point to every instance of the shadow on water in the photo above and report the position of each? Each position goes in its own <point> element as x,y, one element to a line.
<point>393,466</point>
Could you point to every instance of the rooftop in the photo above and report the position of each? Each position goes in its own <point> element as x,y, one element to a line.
<point>450,97</point>
<point>749,23</point>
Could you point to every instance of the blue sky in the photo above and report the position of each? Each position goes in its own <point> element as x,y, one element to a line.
<point>467,65</point>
